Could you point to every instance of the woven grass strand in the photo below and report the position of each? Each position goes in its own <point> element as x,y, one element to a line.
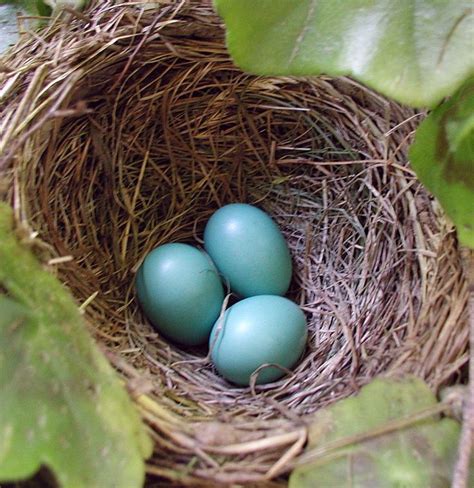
<point>125,127</point>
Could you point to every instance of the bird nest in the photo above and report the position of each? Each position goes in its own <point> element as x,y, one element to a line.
<point>124,128</point>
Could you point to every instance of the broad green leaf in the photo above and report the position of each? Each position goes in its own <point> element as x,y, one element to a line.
<point>443,158</point>
<point>62,405</point>
<point>415,51</point>
<point>417,456</point>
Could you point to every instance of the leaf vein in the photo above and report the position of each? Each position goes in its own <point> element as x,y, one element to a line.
<point>451,32</point>
<point>304,30</point>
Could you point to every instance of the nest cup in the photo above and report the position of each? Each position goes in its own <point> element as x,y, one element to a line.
<point>124,128</point>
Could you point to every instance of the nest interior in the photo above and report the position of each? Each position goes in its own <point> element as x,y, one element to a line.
<point>126,128</point>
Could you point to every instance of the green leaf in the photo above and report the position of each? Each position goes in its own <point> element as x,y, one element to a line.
<point>416,456</point>
<point>415,51</point>
<point>62,405</point>
<point>443,157</point>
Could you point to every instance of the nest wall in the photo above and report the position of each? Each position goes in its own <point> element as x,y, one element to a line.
<point>124,128</point>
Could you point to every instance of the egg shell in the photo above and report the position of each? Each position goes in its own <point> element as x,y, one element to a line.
<point>258,330</point>
<point>180,292</point>
<point>249,250</point>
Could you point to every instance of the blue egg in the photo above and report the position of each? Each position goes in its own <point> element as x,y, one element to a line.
<point>258,330</point>
<point>249,250</point>
<point>180,292</point>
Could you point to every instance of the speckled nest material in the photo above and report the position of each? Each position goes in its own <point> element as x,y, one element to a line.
<point>123,128</point>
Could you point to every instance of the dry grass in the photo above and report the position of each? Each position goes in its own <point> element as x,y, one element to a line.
<point>125,128</point>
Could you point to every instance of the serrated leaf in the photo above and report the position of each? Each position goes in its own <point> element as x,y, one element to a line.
<point>443,157</point>
<point>415,51</point>
<point>416,456</point>
<point>62,405</point>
